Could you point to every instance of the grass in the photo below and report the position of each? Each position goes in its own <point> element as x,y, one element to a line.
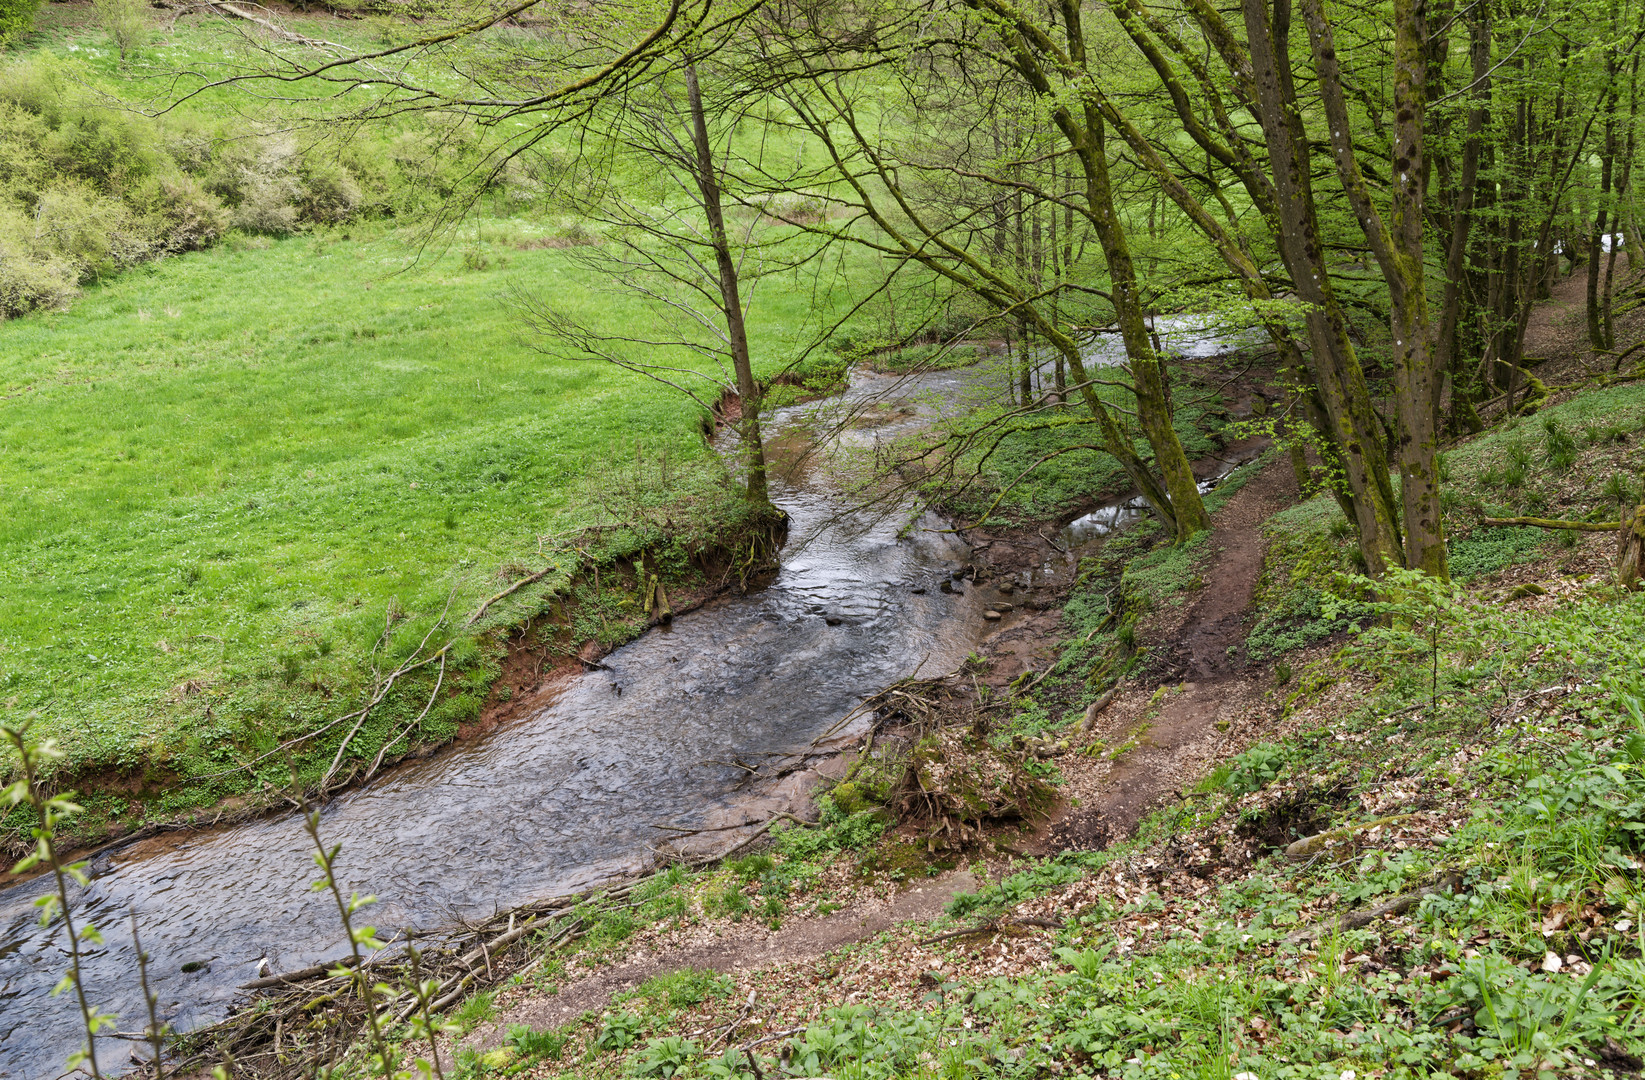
<point>224,470</point>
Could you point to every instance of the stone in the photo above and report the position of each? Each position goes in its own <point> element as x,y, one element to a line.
<point>991,616</point>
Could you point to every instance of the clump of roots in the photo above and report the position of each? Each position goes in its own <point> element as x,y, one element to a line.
<point>957,784</point>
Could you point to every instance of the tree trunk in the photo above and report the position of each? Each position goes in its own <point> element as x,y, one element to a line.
<point>1398,246</point>
<point>1630,563</point>
<point>1147,379</point>
<point>1449,344</point>
<point>708,187</point>
<point>1335,367</point>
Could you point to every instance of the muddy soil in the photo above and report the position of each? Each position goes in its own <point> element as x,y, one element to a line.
<point>1204,659</point>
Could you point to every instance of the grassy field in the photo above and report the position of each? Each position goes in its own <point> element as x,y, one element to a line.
<point>222,470</point>
<point>229,470</point>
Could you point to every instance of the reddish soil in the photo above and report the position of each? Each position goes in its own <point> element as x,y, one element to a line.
<point>1203,655</point>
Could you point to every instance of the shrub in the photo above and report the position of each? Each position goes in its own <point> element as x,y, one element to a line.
<point>329,194</point>
<point>16,18</point>
<point>126,22</point>
<point>30,278</point>
<point>182,215</point>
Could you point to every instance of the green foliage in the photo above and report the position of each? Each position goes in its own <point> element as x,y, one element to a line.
<point>836,831</point>
<point>664,1057</point>
<point>618,1031</point>
<point>1559,447</point>
<point>1487,551</point>
<point>529,1042</point>
<point>1254,769</point>
<point>1298,595</point>
<point>1161,574</point>
<point>16,17</point>
<point>751,867</point>
<point>728,900</point>
<point>681,989</point>
<point>127,24</point>
<point>1035,466</point>
<point>475,1010</point>
<point>1015,888</point>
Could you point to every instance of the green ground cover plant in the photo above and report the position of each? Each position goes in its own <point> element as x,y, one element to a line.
<point>1031,468</point>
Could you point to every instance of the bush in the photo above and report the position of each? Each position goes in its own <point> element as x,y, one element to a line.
<point>126,22</point>
<point>30,278</point>
<point>182,215</point>
<point>16,18</point>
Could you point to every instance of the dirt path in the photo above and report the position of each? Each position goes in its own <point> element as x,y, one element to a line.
<point>1173,743</point>
<point>747,946</point>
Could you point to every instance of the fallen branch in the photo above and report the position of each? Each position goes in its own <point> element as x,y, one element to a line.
<point>277,31</point>
<point>993,926</point>
<point>1554,523</point>
<point>479,612</point>
<point>1093,710</point>
<point>1309,846</point>
<point>297,976</point>
<point>1399,905</point>
<point>761,831</point>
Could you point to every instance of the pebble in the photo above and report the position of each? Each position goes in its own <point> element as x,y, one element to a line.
<point>991,616</point>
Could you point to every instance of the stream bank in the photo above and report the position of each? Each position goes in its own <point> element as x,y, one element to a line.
<point>1101,797</point>
<point>663,736</point>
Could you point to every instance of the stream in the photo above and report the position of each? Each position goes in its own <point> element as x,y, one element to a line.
<point>550,802</point>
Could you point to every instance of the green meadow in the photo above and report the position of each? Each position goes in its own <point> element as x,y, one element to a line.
<point>223,470</point>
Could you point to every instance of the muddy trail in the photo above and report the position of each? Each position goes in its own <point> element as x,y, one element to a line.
<point>1201,653</point>
<point>1202,659</point>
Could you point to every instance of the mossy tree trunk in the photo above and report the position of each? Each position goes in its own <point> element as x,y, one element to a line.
<point>1397,243</point>
<point>706,178</point>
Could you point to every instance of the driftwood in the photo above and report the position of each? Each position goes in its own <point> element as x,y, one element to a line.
<point>296,1021</point>
<point>286,978</point>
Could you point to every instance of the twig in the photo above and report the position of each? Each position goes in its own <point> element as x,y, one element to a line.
<point>479,612</point>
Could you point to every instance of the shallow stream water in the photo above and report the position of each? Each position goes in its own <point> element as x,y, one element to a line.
<point>548,803</point>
